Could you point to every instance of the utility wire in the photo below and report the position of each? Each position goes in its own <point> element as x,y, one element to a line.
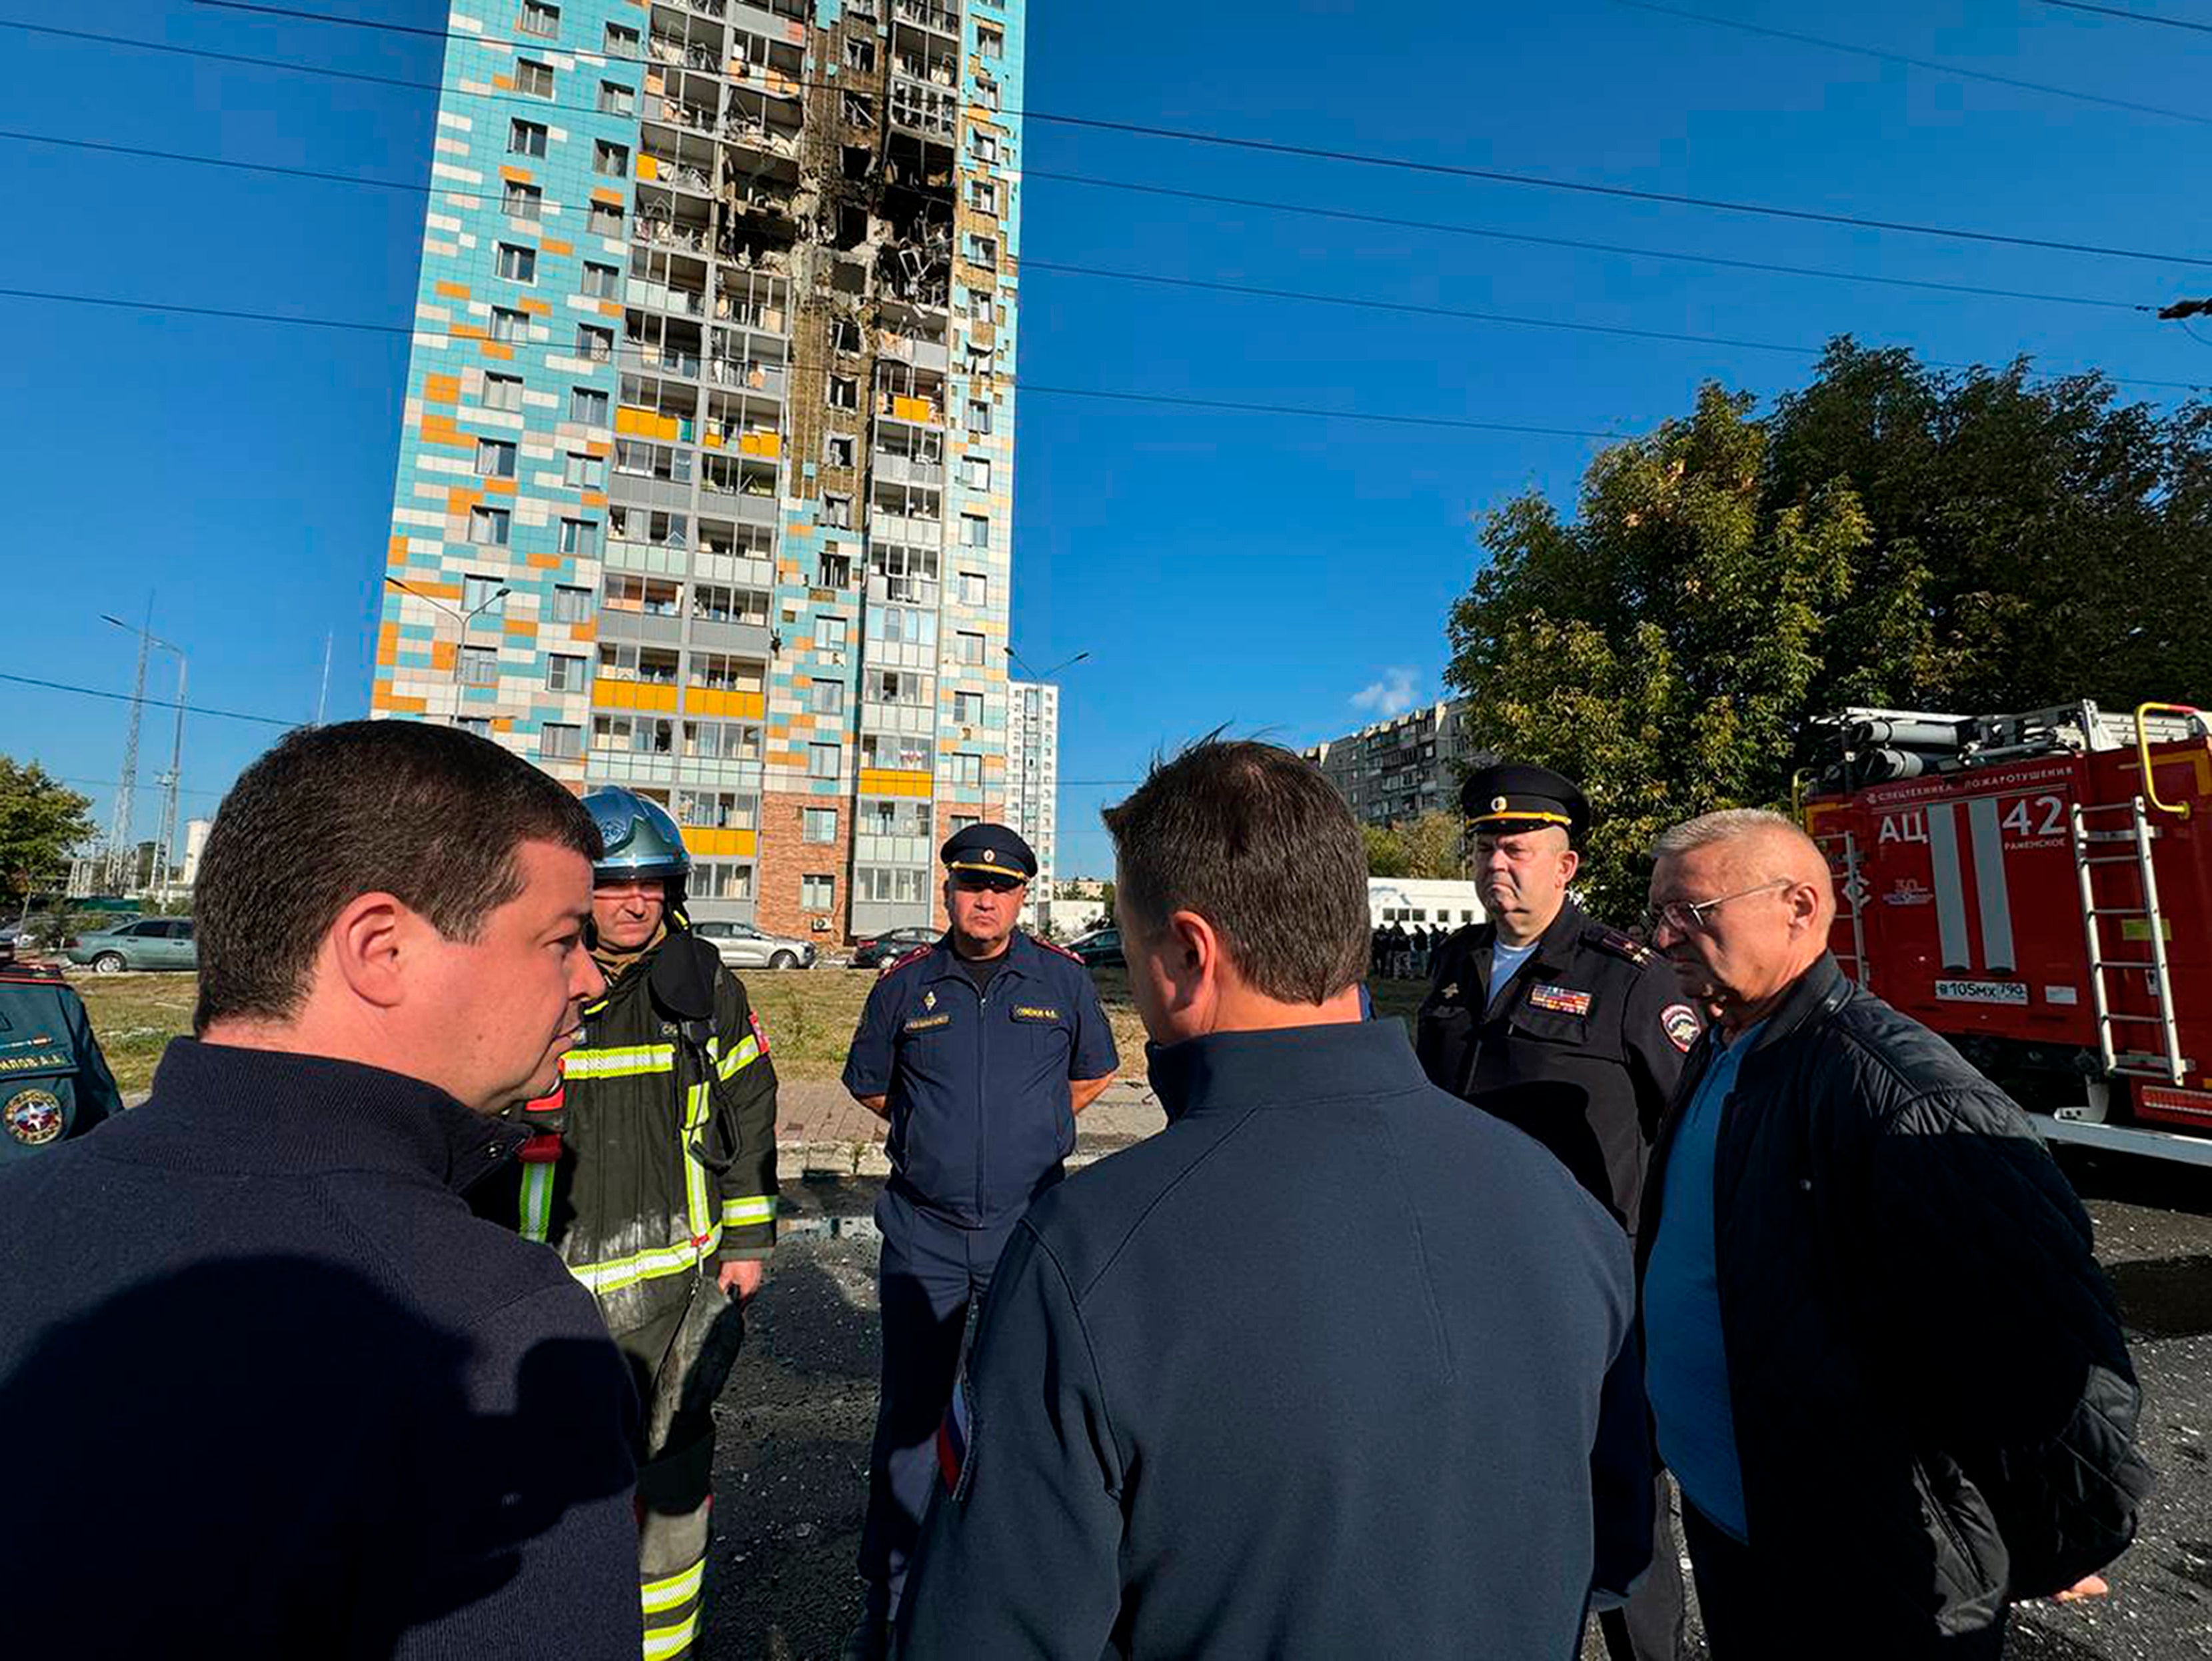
<point>1352,158</point>
<point>1309,209</point>
<point>2130,16</point>
<point>158,703</point>
<point>1932,65</point>
<point>1031,386</point>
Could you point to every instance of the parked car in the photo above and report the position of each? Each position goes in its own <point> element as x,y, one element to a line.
<point>891,945</point>
<point>1100,949</point>
<point>148,943</point>
<point>743,947</point>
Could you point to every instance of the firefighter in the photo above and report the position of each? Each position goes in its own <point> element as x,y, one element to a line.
<point>54,1082</point>
<point>652,1171</point>
<point>1571,1032</point>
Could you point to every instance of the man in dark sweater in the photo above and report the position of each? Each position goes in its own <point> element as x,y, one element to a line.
<point>267,1389</point>
<point>1328,1367</point>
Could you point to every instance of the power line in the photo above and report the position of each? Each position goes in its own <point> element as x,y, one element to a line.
<point>1932,65</point>
<point>1351,158</point>
<point>1308,208</point>
<point>1030,386</point>
<point>158,703</point>
<point>2130,16</point>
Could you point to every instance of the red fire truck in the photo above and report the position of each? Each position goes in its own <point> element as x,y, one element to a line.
<point>2037,888</point>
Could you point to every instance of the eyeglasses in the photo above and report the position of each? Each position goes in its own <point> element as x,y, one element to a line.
<point>1688,916</point>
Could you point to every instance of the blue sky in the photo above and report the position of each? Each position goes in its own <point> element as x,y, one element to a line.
<point>1272,573</point>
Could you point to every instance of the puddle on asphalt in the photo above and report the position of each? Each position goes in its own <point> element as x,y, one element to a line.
<point>2165,1297</point>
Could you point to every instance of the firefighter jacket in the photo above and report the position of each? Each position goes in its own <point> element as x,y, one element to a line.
<point>665,1127</point>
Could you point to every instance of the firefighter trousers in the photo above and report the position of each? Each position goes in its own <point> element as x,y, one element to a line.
<point>679,1361</point>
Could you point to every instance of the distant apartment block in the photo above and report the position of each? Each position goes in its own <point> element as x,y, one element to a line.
<point>1033,780</point>
<point>1401,768</point>
<point>706,479</point>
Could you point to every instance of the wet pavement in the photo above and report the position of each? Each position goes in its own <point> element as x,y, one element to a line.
<point>791,1471</point>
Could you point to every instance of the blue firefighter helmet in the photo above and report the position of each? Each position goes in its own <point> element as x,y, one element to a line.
<point>642,839</point>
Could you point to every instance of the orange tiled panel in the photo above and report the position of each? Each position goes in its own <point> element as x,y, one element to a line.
<point>384,699</point>
<point>704,842</point>
<point>459,500</point>
<point>632,695</point>
<point>554,245</point>
<point>466,332</point>
<point>545,562</point>
<point>442,656</point>
<point>387,645</point>
<point>502,723</point>
<point>584,631</point>
<point>537,307</point>
<point>614,198</point>
<point>761,444</point>
<point>706,701</point>
<point>610,308</point>
<point>595,498</point>
<point>600,447</point>
<point>522,627</point>
<point>459,290</point>
<point>500,487</point>
<point>490,349</point>
<point>648,167</point>
<point>513,175</point>
<point>712,441</point>
<point>441,389</point>
<point>504,83</point>
<point>892,782</point>
<point>910,409</point>
<point>395,551</point>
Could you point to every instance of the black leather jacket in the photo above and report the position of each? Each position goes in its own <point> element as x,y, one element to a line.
<point>1934,1410</point>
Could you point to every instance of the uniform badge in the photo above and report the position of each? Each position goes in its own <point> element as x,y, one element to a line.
<point>1497,804</point>
<point>33,1117</point>
<point>1449,993</point>
<point>760,1037</point>
<point>990,856</point>
<point>956,1437</point>
<point>1560,1000</point>
<point>1679,1022</point>
<point>929,1001</point>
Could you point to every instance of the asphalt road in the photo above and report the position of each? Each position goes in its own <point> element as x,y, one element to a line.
<point>792,1473</point>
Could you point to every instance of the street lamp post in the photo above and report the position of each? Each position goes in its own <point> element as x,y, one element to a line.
<point>172,780</point>
<point>463,619</point>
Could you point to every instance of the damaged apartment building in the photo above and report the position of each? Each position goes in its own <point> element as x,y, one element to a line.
<point>705,480</point>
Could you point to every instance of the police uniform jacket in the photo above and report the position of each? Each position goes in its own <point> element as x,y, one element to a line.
<point>1582,1049</point>
<point>1329,1367</point>
<point>665,1150</point>
<point>978,1083</point>
<point>54,1082</point>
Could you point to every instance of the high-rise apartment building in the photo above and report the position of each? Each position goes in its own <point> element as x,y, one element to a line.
<point>706,482</point>
<point>1033,782</point>
<point>1401,768</point>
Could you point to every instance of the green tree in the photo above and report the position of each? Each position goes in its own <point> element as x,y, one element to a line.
<point>1386,851</point>
<point>1660,649</point>
<point>1431,845</point>
<point>41,820</point>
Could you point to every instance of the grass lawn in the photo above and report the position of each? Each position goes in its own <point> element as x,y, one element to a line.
<point>809,1014</point>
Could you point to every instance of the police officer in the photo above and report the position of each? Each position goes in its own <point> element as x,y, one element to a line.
<point>980,1050</point>
<point>54,1082</point>
<point>1570,1030</point>
<point>652,1171</point>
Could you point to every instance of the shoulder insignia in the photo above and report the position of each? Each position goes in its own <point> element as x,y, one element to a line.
<point>1054,946</point>
<point>915,956</point>
<point>1613,941</point>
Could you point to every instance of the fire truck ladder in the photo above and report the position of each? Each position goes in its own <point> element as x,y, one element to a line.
<point>2168,1062</point>
<point>1841,849</point>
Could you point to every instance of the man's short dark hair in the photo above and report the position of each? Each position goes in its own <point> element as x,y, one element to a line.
<point>430,815</point>
<point>1257,842</point>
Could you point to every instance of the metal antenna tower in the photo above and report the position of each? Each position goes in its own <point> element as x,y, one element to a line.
<point>121,856</point>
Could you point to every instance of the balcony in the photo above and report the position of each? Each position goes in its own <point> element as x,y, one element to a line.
<point>902,406</point>
<point>661,297</point>
<point>903,470</point>
<point>660,233</point>
<point>923,15</point>
<point>675,173</point>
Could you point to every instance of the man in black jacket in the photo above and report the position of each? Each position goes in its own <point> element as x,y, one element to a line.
<point>267,1389</point>
<point>1882,1363</point>
<point>1331,1367</point>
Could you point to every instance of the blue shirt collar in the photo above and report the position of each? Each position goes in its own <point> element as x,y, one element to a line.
<point>1282,1066</point>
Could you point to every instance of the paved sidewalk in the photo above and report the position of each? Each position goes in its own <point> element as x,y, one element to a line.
<point>822,1131</point>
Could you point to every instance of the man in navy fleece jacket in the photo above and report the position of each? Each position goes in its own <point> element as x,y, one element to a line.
<point>1333,1365</point>
<point>267,1389</point>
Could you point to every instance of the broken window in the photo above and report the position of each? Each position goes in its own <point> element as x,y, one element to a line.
<point>859,54</point>
<point>845,335</point>
<point>837,450</point>
<point>859,111</point>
